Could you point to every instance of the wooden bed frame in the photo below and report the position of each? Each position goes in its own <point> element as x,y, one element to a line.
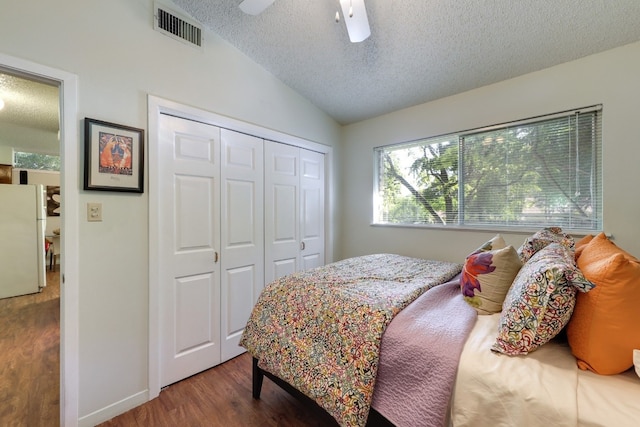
<point>375,418</point>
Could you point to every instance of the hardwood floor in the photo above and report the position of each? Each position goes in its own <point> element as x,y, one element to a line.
<point>221,396</point>
<point>30,357</point>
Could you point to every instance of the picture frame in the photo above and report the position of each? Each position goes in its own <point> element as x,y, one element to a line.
<point>114,157</point>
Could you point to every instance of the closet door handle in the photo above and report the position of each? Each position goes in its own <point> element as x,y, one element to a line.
<point>215,257</point>
<point>302,246</point>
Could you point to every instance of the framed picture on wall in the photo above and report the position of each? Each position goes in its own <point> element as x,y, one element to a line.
<point>114,157</point>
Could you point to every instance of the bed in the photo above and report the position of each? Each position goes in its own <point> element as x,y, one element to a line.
<point>544,388</point>
<point>394,339</point>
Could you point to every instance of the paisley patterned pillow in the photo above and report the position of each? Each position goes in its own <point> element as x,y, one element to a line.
<point>540,301</point>
<point>543,238</point>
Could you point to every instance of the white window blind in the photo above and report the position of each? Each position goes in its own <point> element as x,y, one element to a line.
<point>536,172</point>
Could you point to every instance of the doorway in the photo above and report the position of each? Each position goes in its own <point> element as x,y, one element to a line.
<point>30,290</point>
<point>67,147</point>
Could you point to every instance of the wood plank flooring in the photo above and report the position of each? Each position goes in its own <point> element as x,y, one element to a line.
<point>221,396</point>
<point>30,357</point>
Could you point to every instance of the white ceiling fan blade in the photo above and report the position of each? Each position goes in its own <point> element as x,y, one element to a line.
<point>255,7</point>
<point>358,24</point>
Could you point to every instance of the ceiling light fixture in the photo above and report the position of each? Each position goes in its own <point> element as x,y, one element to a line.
<point>255,7</point>
<point>358,23</point>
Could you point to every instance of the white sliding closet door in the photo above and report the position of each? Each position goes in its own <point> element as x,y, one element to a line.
<point>311,208</point>
<point>282,213</point>
<point>189,216</point>
<point>234,212</point>
<point>294,209</point>
<point>242,231</point>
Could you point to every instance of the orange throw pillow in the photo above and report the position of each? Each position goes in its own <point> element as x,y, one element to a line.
<point>582,243</point>
<point>603,330</point>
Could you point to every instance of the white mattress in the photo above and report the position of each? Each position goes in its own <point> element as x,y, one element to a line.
<point>544,388</point>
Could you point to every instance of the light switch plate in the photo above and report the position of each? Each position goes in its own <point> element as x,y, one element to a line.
<point>94,212</point>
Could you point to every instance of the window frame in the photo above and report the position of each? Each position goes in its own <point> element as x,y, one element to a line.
<point>458,137</point>
<point>19,166</point>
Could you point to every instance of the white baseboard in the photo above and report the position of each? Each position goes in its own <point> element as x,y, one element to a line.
<point>114,410</point>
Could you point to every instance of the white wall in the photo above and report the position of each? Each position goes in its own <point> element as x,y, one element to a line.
<point>30,139</point>
<point>610,78</point>
<point>6,155</point>
<point>119,59</point>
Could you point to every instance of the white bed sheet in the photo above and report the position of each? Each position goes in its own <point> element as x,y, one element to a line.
<point>608,400</point>
<point>544,388</point>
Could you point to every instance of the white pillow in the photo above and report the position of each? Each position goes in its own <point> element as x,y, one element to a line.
<point>636,361</point>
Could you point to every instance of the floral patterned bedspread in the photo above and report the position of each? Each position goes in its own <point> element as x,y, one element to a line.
<point>320,329</point>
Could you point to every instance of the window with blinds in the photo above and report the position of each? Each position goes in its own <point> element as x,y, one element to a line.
<point>527,174</point>
<point>36,161</point>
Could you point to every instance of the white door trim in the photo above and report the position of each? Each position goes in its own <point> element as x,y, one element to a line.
<point>69,301</point>
<point>157,106</point>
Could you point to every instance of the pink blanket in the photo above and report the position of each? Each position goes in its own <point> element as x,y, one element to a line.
<point>419,356</point>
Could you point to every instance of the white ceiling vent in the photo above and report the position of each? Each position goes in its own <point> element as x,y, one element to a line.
<point>177,26</point>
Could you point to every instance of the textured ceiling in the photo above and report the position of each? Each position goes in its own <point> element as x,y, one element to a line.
<point>419,50</point>
<point>30,118</point>
<point>28,103</point>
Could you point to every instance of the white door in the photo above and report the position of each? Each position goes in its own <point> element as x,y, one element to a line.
<point>311,208</point>
<point>189,247</point>
<point>242,231</point>
<point>294,209</point>
<point>282,215</point>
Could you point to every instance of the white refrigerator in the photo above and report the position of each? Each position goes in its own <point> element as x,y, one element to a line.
<point>23,217</point>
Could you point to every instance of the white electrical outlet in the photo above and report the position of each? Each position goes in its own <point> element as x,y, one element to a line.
<point>94,212</point>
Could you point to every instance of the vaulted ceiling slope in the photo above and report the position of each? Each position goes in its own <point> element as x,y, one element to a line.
<point>419,50</point>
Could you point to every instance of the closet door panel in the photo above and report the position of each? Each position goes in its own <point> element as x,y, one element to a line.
<point>193,300</point>
<point>312,208</point>
<point>294,211</point>
<point>284,267</point>
<point>194,228</point>
<point>240,223</point>
<point>242,234</point>
<point>240,283</point>
<point>189,274</point>
<point>282,229</point>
